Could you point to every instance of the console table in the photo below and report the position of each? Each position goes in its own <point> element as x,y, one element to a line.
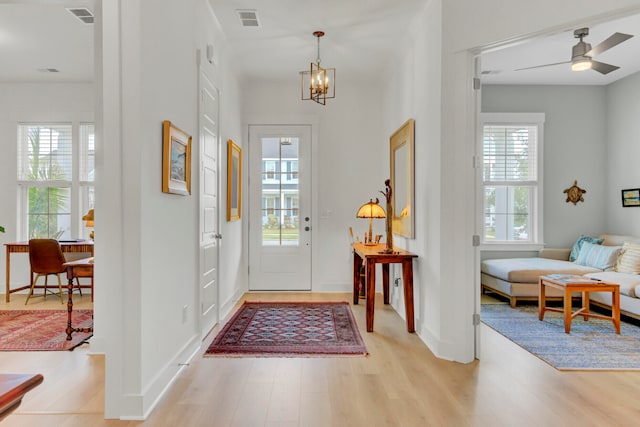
<point>372,255</point>
<point>84,246</point>
<point>79,268</point>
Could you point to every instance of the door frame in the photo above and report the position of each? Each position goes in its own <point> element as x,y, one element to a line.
<point>311,120</point>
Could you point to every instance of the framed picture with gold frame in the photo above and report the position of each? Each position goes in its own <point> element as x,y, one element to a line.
<point>401,147</point>
<point>234,181</point>
<point>176,160</point>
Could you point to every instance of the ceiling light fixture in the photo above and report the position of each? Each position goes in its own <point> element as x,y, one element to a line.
<point>581,63</point>
<point>318,84</point>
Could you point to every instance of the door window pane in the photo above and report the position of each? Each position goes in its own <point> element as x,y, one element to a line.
<point>280,223</point>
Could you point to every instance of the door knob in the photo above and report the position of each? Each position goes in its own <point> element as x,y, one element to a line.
<point>306,218</point>
<point>307,228</point>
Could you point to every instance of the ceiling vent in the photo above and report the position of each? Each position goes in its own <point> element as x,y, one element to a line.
<point>248,18</point>
<point>82,13</point>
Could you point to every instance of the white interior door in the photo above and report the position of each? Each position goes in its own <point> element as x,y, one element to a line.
<point>209,223</point>
<point>280,207</point>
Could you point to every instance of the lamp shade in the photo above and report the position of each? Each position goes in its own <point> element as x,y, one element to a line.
<point>89,218</point>
<point>371,209</point>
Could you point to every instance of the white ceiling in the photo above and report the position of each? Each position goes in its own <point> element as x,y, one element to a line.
<point>38,36</point>
<point>557,48</point>
<point>361,35</point>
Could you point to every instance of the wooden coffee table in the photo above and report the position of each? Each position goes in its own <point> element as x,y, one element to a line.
<point>570,284</point>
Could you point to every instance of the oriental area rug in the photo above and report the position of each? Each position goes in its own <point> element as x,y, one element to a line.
<point>289,329</point>
<point>592,345</point>
<point>41,330</point>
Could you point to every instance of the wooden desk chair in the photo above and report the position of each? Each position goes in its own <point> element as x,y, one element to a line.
<point>46,258</point>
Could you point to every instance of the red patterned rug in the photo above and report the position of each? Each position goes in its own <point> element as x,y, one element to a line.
<point>41,330</point>
<point>289,329</point>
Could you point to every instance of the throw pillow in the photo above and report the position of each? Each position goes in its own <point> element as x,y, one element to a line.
<point>629,259</point>
<point>597,256</point>
<point>575,250</point>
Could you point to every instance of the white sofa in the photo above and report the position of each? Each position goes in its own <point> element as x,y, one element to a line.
<point>517,278</point>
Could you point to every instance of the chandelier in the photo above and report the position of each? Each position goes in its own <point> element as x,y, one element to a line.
<point>318,84</point>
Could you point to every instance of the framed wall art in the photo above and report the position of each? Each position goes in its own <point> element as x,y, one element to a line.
<point>631,198</point>
<point>234,180</point>
<point>176,160</point>
<point>401,147</point>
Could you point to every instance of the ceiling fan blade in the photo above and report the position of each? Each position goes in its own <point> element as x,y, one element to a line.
<point>613,40</point>
<point>545,65</point>
<point>602,68</point>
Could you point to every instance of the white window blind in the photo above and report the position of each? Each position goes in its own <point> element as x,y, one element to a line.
<point>45,152</point>
<point>509,153</point>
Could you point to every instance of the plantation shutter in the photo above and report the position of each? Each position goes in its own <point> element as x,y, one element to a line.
<point>45,152</point>
<point>509,153</point>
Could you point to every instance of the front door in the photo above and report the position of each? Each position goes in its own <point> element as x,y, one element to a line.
<point>280,207</point>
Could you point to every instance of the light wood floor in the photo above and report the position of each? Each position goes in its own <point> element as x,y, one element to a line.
<point>400,383</point>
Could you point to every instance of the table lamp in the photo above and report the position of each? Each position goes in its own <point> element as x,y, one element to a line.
<point>371,210</point>
<point>88,217</point>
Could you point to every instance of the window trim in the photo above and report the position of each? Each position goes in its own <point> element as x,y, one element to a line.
<point>537,211</point>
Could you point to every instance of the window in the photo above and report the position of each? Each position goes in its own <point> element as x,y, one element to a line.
<point>53,196</point>
<point>291,166</point>
<point>511,178</point>
<point>269,170</point>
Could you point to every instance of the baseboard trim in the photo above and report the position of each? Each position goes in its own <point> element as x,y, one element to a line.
<point>137,407</point>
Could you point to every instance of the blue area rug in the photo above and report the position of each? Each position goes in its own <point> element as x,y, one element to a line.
<point>592,345</point>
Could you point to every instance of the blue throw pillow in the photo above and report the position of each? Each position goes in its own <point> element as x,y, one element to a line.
<point>597,256</point>
<point>575,251</point>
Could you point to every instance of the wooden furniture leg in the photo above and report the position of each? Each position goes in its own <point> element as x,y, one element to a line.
<point>542,301</point>
<point>567,311</point>
<point>357,262</point>
<point>615,309</point>
<point>585,306</point>
<point>371,292</point>
<point>7,270</point>
<point>69,329</point>
<point>407,278</point>
<point>385,283</point>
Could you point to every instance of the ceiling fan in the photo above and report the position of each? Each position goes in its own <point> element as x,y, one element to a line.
<point>582,54</point>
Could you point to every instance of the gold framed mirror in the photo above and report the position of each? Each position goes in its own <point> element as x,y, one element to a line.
<point>401,147</point>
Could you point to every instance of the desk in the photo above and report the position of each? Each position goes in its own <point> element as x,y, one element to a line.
<point>79,268</point>
<point>85,246</point>
<point>372,255</point>
<point>13,387</point>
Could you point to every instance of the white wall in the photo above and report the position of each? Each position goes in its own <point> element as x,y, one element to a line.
<point>623,144</point>
<point>414,91</point>
<point>151,257</point>
<point>31,102</point>
<point>575,148</point>
<point>349,166</point>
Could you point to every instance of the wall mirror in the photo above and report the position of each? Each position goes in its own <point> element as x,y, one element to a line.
<point>402,179</point>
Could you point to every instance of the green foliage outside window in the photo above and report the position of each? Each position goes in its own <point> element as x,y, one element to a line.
<point>45,203</point>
